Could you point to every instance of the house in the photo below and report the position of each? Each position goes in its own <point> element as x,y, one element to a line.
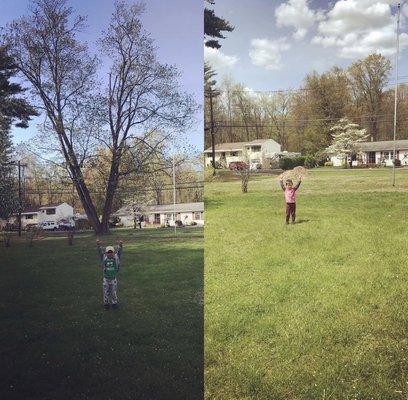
<point>259,150</point>
<point>187,213</point>
<point>29,216</point>
<point>378,153</point>
<point>54,212</point>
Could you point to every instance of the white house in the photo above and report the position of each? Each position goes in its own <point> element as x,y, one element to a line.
<point>53,212</point>
<point>187,213</point>
<point>259,150</point>
<point>29,216</point>
<point>378,153</point>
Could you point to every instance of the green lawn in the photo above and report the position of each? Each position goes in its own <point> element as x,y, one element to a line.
<point>316,310</point>
<point>57,341</point>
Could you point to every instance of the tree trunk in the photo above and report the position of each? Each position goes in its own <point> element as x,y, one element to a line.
<point>87,203</point>
<point>110,192</point>
<point>76,175</point>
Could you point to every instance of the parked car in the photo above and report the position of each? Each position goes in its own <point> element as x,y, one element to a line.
<point>66,224</point>
<point>237,165</point>
<point>255,164</point>
<point>48,225</point>
<point>31,227</point>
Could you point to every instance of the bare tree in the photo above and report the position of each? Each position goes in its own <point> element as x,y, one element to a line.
<point>277,108</point>
<point>368,79</point>
<point>143,94</point>
<point>61,74</point>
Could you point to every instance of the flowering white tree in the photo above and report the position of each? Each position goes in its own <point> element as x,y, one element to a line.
<point>137,206</point>
<point>346,139</point>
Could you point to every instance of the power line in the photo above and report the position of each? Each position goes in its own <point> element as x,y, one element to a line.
<point>245,91</point>
<point>317,122</point>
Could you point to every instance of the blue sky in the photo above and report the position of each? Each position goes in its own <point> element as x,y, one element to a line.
<point>276,43</point>
<point>176,27</point>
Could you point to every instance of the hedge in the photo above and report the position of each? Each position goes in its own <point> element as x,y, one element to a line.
<point>287,163</point>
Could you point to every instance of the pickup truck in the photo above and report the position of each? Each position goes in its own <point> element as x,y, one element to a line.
<point>48,225</point>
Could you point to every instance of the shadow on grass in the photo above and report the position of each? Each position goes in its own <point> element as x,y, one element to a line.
<point>59,343</point>
<point>302,221</point>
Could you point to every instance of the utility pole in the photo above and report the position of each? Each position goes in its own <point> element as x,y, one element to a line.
<point>395,97</point>
<point>210,93</point>
<point>212,130</point>
<point>20,192</point>
<point>20,202</point>
<point>174,194</point>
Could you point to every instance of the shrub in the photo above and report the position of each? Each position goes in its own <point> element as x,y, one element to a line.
<point>208,174</point>
<point>7,238</point>
<point>328,164</point>
<point>287,163</point>
<point>70,238</point>
<point>310,162</point>
<point>81,224</point>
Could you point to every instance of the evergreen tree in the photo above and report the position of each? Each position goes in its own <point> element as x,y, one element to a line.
<point>16,111</point>
<point>13,109</point>
<point>213,26</point>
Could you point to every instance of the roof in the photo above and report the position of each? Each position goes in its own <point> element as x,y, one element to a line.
<point>36,209</point>
<point>51,205</point>
<point>169,208</point>
<point>236,146</point>
<point>385,145</point>
<point>30,210</point>
<point>183,207</point>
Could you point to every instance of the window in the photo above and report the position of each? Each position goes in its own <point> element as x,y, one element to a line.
<point>197,216</point>
<point>388,155</point>
<point>157,218</point>
<point>29,216</point>
<point>256,148</point>
<point>51,211</point>
<point>234,153</point>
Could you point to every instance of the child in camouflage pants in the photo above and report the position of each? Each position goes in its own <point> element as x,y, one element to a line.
<point>110,263</point>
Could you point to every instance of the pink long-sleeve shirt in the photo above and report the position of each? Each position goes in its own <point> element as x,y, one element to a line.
<point>290,193</point>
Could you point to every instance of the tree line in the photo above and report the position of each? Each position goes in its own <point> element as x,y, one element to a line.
<point>301,120</point>
<point>44,182</point>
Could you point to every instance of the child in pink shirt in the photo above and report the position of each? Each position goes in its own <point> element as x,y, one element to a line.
<point>290,198</point>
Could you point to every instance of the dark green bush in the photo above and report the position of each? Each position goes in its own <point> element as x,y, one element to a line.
<point>287,163</point>
<point>310,162</point>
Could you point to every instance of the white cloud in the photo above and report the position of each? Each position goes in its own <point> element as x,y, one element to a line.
<point>297,14</point>
<point>218,60</point>
<point>355,28</point>
<point>356,15</point>
<point>358,28</point>
<point>267,53</point>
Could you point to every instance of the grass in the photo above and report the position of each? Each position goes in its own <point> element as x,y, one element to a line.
<point>316,310</point>
<point>57,342</point>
